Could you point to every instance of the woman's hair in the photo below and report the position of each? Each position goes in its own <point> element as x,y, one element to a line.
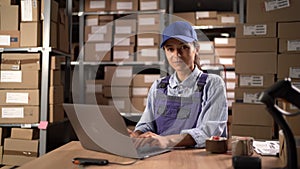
<point>197,56</point>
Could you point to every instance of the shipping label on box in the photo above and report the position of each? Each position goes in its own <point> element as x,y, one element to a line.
<point>9,39</point>
<point>251,80</point>
<point>149,4</point>
<point>11,76</point>
<point>276,5</point>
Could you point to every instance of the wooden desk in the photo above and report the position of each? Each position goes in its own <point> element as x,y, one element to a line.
<point>182,159</point>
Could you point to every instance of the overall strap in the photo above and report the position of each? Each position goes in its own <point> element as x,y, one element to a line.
<point>164,82</point>
<point>202,81</point>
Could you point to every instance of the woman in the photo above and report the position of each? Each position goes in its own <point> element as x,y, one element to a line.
<point>189,106</point>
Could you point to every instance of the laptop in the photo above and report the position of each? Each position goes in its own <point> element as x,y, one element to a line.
<point>102,128</point>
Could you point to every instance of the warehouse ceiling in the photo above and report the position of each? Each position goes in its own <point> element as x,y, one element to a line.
<point>202,5</point>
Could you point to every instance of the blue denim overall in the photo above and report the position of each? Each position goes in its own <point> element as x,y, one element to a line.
<point>173,113</point>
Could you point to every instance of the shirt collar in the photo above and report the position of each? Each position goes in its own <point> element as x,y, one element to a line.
<point>188,82</point>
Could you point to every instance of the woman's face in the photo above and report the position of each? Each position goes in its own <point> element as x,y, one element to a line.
<point>180,55</point>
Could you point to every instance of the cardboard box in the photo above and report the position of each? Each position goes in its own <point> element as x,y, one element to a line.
<point>187,16</point>
<point>19,114</point>
<point>147,54</point>
<point>148,39</point>
<point>256,44</point>
<point>5,3</point>
<point>30,34</point>
<point>63,31</point>
<point>148,23</point>
<point>206,14</point>
<point>53,34</point>
<point>97,51</point>
<point>98,33</point>
<point>94,86</point>
<point>256,62</point>
<point>56,62</point>
<point>124,5</point>
<point>247,95</point>
<point>24,133</point>
<point>288,29</point>
<point>247,114</point>
<point>149,5</point>
<point>96,5</point>
<point>224,42</point>
<point>207,22</point>
<point>140,91</point>
<point>220,51</point>
<point>20,61</point>
<point>56,94</point>
<point>228,18</point>
<point>122,104</point>
<point>54,11</point>
<point>19,79</point>
<point>123,54</point>
<point>117,91</point>
<point>256,30</point>
<point>256,80</point>
<point>20,97</point>
<point>228,61</point>
<point>289,65</point>
<point>9,18</point>
<point>118,75</point>
<point>257,132</point>
<point>92,20</point>
<point>125,26</point>
<point>265,11</point>
<point>9,39</point>
<point>124,40</point>
<point>23,151</point>
<point>56,113</point>
<point>30,10</point>
<point>138,104</point>
<point>144,80</point>
<point>207,59</point>
<point>206,47</point>
<point>283,148</point>
<point>289,45</point>
<point>55,78</point>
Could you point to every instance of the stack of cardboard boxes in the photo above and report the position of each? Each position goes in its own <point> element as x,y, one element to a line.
<point>127,38</point>
<point>141,84</point>
<point>98,38</point>
<point>267,51</point>
<point>209,18</point>
<point>20,84</point>
<point>117,41</point>
<point>124,39</point>
<point>21,25</point>
<point>21,147</point>
<point>118,86</point>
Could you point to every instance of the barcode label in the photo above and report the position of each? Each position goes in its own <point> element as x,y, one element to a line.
<point>255,29</point>
<point>272,5</point>
<point>293,45</point>
<point>251,81</point>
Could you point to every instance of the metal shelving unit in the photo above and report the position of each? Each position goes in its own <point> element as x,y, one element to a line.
<point>45,50</point>
<point>82,64</point>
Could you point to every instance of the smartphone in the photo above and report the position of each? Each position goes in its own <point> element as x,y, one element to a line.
<point>89,161</point>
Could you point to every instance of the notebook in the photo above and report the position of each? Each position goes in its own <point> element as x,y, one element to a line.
<point>102,128</point>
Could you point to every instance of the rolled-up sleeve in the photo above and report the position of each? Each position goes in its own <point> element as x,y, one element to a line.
<point>212,120</point>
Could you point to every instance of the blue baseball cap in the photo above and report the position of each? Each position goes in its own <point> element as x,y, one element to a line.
<point>180,30</point>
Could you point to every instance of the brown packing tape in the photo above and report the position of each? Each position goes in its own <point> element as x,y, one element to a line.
<point>20,153</point>
<point>17,61</point>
